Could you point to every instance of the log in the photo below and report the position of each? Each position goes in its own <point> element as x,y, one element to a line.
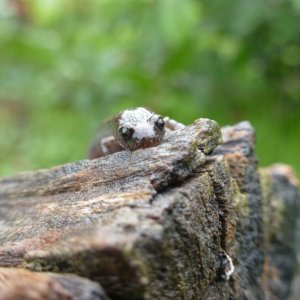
<point>26,285</point>
<point>156,223</point>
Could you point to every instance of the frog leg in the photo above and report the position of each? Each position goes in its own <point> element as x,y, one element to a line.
<point>172,124</point>
<point>104,146</point>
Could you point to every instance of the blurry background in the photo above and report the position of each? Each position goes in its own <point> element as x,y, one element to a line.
<point>67,65</point>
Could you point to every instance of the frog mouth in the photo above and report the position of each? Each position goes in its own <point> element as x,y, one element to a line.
<point>145,143</point>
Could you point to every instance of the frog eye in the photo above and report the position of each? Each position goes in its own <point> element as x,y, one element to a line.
<point>160,123</point>
<point>126,133</point>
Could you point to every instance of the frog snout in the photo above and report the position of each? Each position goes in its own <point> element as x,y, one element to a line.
<point>144,132</point>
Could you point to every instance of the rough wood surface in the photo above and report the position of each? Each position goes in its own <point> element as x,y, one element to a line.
<point>153,224</point>
<point>26,285</point>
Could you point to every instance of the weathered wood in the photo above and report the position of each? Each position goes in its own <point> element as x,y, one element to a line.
<point>25,285</point>
<point>238,149</point>
<point>281,212</point>
<point>153,224</point>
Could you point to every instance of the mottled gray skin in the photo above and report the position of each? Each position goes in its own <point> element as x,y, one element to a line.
<point>133,129</point>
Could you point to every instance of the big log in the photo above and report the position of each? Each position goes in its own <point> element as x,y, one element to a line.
<point>157,223</point>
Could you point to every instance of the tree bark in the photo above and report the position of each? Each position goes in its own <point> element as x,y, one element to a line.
<point>153,224</point>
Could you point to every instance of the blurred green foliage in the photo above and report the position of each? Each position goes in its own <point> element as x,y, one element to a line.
<point>66,65</point>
